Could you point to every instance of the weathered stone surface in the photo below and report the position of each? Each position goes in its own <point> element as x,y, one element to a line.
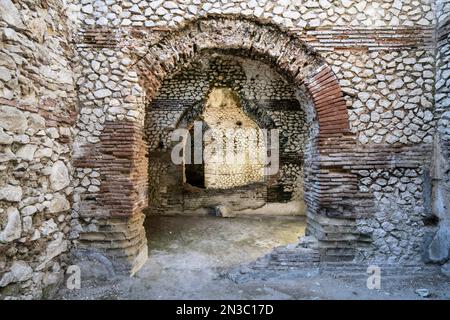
<point>26,152</point>
<point>20,271</point>
<point>48,227</point>
<point>10,193</point>
<point>10,14</point>
<point>54,248</point>
<point>59,177</point>
<point>5,138</point>
<point>37,97</point>
<point>7,155</point>
<point>12,119</point>
<point>59,203</point>
<point>13,228</point>
<point>102,93</point>
<point>5,74</point>
<point>37,27</point>
<point>35,123</point>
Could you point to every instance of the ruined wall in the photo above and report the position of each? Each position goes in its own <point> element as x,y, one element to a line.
<point>383,54</point>
<point>37,113</point>
<point>369,193</point>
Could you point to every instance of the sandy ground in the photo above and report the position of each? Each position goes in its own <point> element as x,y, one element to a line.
<point>188,257</point>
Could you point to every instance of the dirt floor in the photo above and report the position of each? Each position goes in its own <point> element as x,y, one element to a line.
<point>188,257</point>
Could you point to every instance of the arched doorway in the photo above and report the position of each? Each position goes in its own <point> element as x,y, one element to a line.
<point>124,194</point>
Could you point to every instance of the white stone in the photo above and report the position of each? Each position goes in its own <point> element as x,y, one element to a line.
<point>48,227</point>
<point>362,138</point>
<point>156,4</point>
<point>325,4</point>
<point>391,138</point>
<point>252,4</point>
<point>27,223</point>
<point>102,93</point>
<point>278,9</point>
<point>93,189</point>
<point>13,228</point>
<point>59,177</point>
<point>364,118</point>
<point>363,96</point>
<point>11,193</point>
<point>347,3</point>
<point>54,248</point>
<point>148,12</point>
<point>12,119</point>
<point>409,61</point>
<point>7,155</point>
<point>102,21</point>
<point>397,4</point>
<point>258,11</point>
<point>95,65</point>
<point>10,14</point>
<point>65,131</point>
<point>394,21</point>
<point>5,74</point>
<point>399,114</point>
<point>53,133</point>
<point>291,14</point>
<point>116,110</point>
<point>26,152</point>
<point>28,210</point>
<point>374,116</point>
<point>396,84</point>
<point>361,5</point>
<point>35,123</point>
<point>427,116</point>
<point>36,235</point>
<point>88,9</point>
<point>20,271</point>
<point>161,11</point>
<point>5,138</point>
<point>170,5</point>
<point>44,153</point>
<point>59,203</point>
<point>135,9</point>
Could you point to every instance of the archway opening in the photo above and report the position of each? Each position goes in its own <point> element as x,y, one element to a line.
<point>245,135</point>
<point>128,142</point>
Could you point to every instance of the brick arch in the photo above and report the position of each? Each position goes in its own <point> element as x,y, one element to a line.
<point>329,185</point>
<point>122,153</point>
<point>281,48</point>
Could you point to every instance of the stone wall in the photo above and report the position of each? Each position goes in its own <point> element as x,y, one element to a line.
<point>381,52</point>
<point>292,14</point>
<point>37,114</point>
<point>368,70</point>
